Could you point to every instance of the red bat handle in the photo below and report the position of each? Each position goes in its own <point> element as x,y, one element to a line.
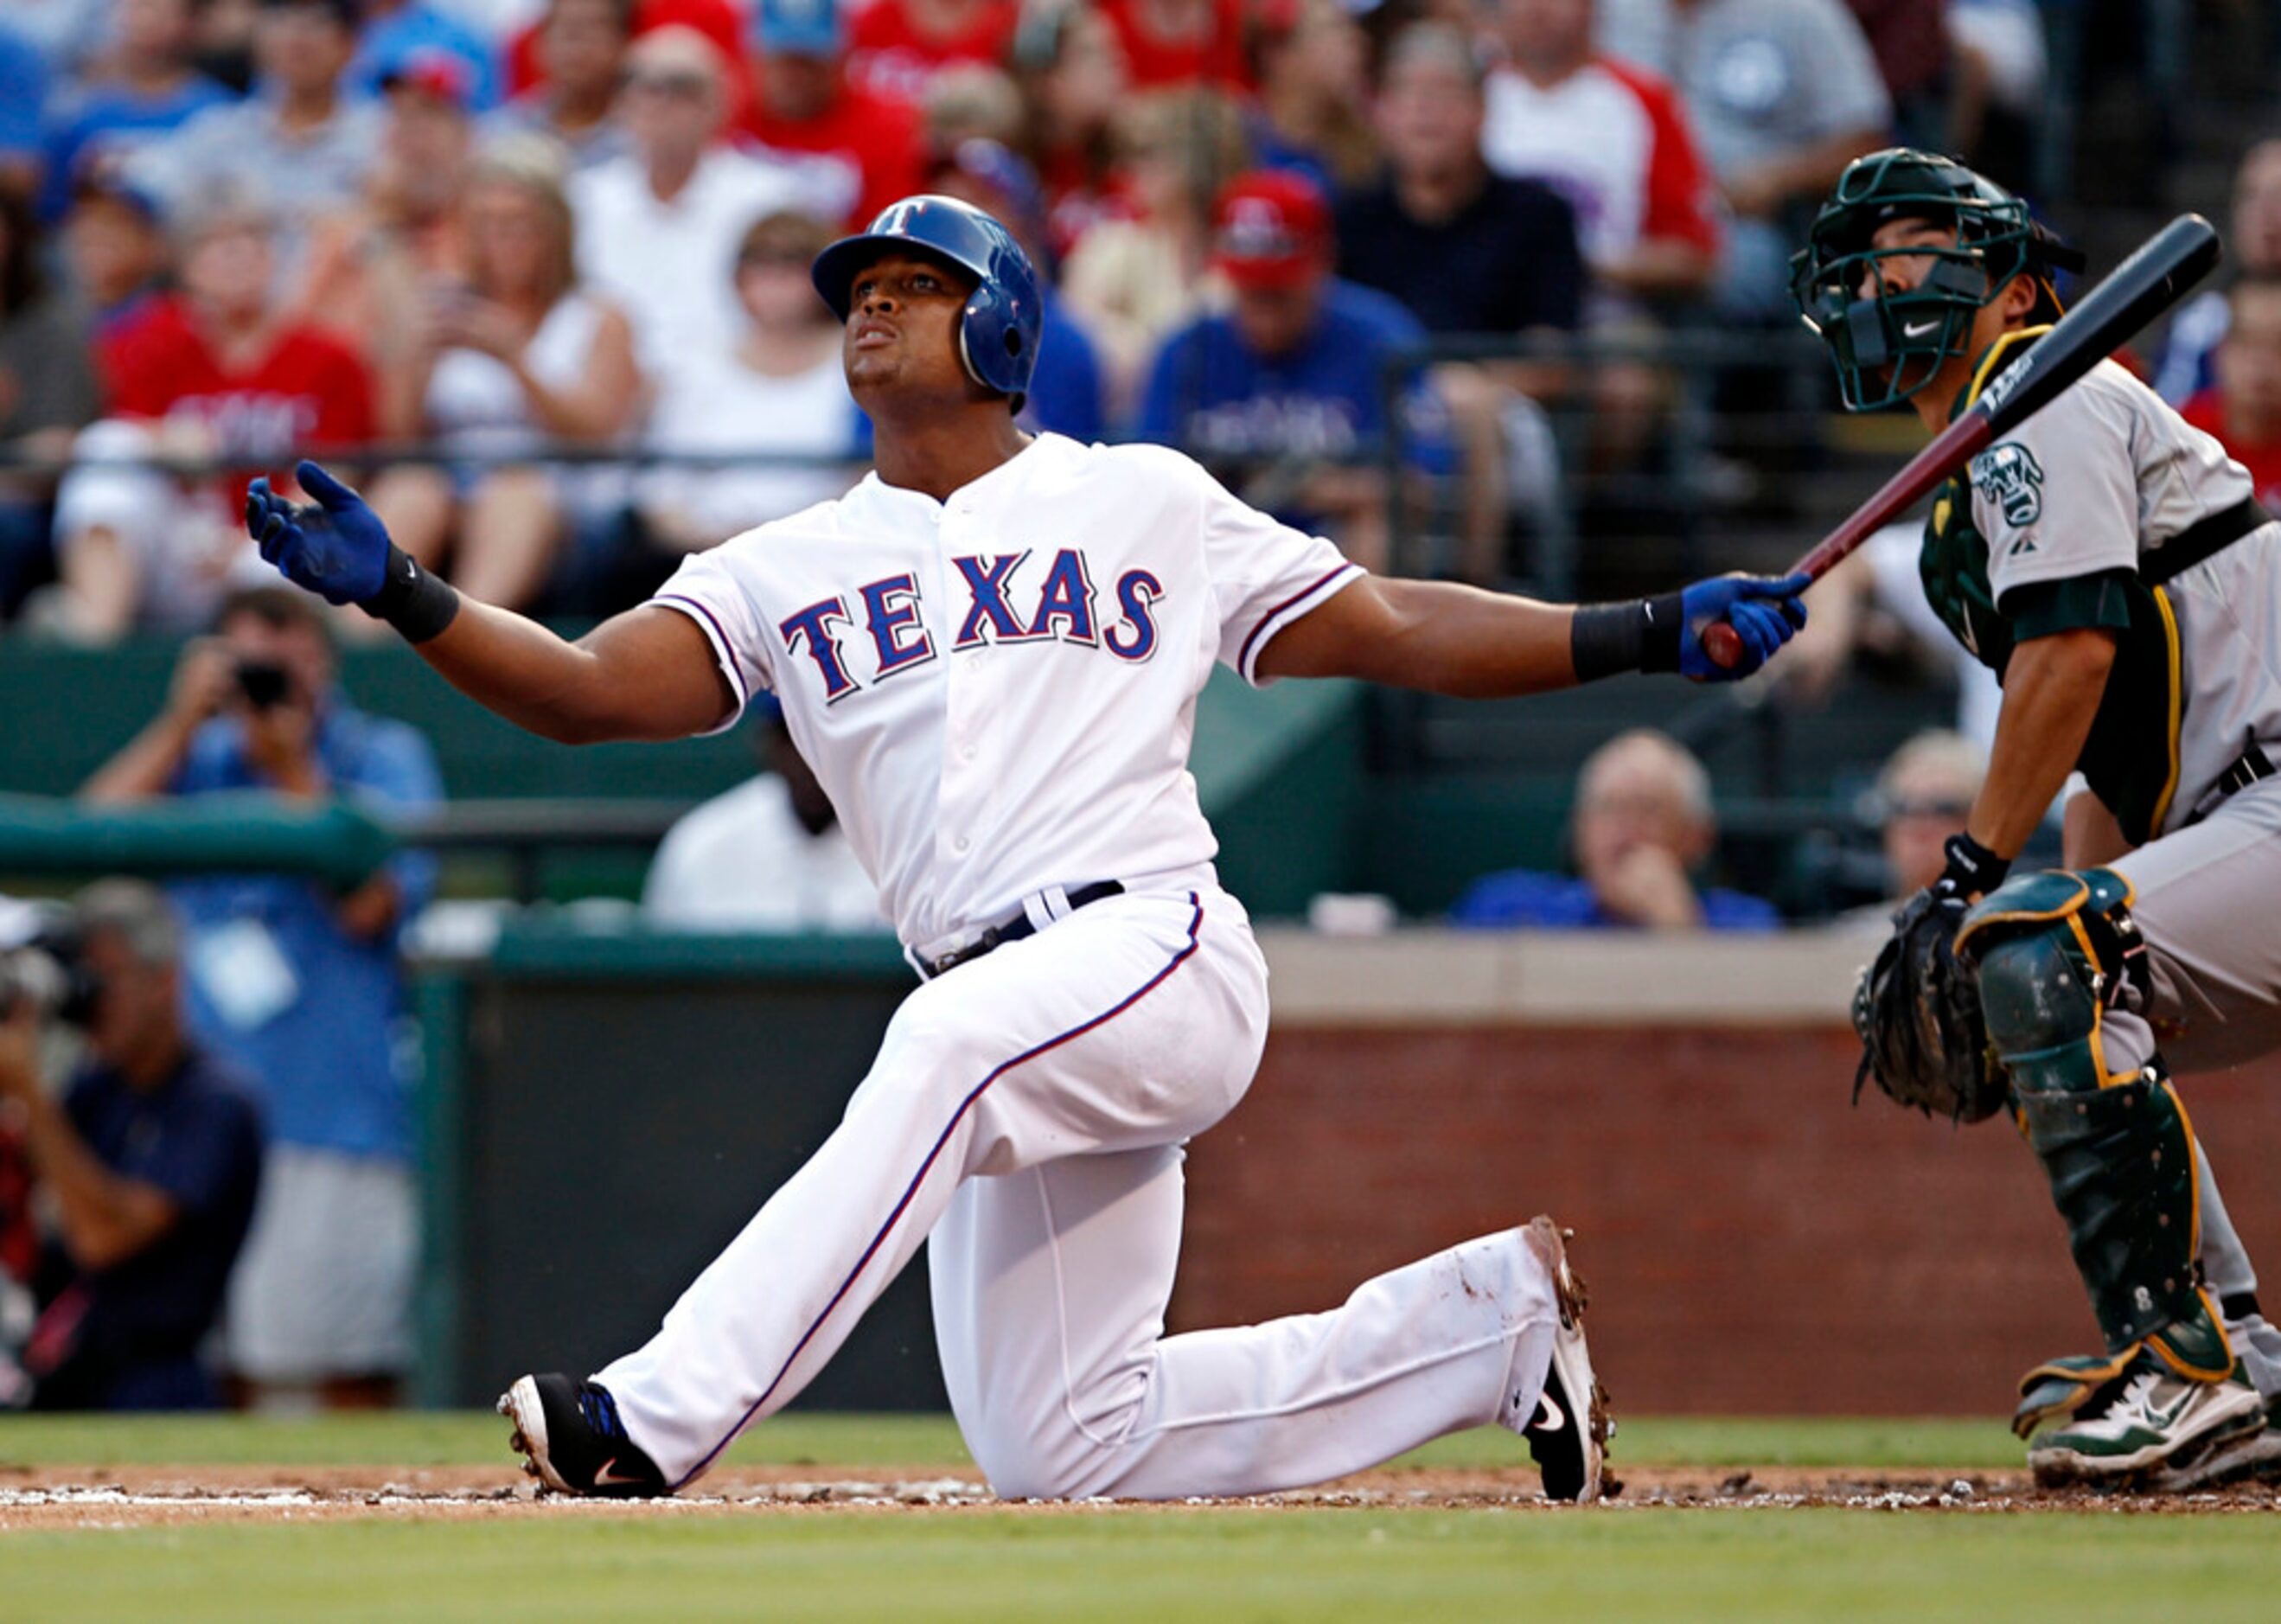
<point>1955,444</point>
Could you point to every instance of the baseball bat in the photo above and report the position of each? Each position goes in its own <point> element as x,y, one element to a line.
<point>2152,280</point>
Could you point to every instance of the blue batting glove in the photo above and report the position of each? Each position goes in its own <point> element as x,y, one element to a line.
<point>1765,612</point>
<point>337,549</point>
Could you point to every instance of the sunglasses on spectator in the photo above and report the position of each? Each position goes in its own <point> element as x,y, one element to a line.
<point>1949,808</point>
<point>687,86</point>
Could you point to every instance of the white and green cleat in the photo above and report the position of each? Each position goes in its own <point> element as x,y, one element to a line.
<point>2147,1418</point>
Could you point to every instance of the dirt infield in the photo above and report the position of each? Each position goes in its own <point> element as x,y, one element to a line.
<point>58,1497</point>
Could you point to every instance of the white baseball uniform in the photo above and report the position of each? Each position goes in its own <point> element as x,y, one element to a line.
<point>998,692</point>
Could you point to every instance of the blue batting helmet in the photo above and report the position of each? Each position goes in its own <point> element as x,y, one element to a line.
<point>998,332</point>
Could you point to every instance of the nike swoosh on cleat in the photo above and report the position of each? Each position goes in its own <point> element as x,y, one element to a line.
<point>1549,1416</point>
<point>608,1472</point>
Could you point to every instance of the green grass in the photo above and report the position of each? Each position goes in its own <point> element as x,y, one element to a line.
<point>1205,1565</point>
<point>473,1438</point>
<point>1860,1567</point>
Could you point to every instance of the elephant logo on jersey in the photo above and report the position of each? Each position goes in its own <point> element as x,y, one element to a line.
<point>2009,475</point>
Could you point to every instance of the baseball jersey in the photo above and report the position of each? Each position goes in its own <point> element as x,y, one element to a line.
<point>2054,528</point>
<point>998,692</point>
<point>1613,140</point>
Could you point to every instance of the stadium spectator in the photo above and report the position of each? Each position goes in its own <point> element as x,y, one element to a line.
<point>1467,252</point>
<point>1611,137</point>
<point>215,372</point>
<point>68,34</point>
<point>1133,279</point>
<point>1783,95</point>
<point>2242,410</point>
<point>1924,794</point>
<point>1071,71</point>
<point>114,243</point>
<point>1999,64</point>
<point>518,356</point>
<point>2253,246</point>
<point>580,50</point>
<point>301,987</point>
<point>803,101</point>
<point>153,1158</point>
<point>1170,44</point>
<point>150,89</point>
<point>23,108</point>
<point>301,137</point>
<point>1068,389</point>
<point>897,47</point>
<point>658,229</point>
<point>767,855</point>
<point>367,265</point>
<point>1283,393</point>
<point>779,391</point>
<point>46,394</point>
<point>1642,826</point>
<point>394,32</point>
<point>1909,40</point>
<point>222,43</point>
<point>1313,109</point>
<point>1873,607</point>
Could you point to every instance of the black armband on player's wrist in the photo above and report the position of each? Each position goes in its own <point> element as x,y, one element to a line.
<point>417,604</point>
<point>1972,869</point>
<point>1641,634</point>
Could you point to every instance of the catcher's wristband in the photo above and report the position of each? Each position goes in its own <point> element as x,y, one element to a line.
<point>1641,634</point>
<point>414,602</point>
<point>1972,869</point>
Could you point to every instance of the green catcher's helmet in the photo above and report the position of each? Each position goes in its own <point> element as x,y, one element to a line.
<point>1889,343</point>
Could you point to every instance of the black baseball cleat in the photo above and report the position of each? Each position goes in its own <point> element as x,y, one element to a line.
<point>574,1442</point>
<point>1568,1436</point>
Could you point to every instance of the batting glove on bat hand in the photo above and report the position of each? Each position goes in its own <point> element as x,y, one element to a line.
<point>337,549</point>
<point>1764,610</point>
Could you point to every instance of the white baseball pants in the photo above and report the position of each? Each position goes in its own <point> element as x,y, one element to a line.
<point>1027,1109</point>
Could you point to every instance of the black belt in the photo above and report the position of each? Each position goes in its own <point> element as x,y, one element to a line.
<point>2207,537</point>
<point>1013,930</point>
<point>2249,767</point>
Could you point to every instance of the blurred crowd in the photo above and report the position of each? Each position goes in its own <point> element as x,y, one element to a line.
<point>535,270</point>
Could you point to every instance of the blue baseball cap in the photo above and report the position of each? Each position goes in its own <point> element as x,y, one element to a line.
<point>800,27</point>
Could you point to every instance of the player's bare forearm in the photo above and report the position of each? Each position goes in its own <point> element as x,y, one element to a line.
<point>647,674</point>
<point>1430,635</point>
<point>2051,690</point>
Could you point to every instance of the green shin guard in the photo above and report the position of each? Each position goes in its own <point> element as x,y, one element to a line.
<point>2055,951</point>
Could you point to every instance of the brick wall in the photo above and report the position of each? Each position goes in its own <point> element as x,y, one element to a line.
<point>1753,1243</point>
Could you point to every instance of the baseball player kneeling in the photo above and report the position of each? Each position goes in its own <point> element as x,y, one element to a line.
<point>991,650</point>
<point>2112,565</point>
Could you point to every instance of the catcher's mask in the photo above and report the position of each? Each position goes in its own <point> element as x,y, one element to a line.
<point>1888,341</point>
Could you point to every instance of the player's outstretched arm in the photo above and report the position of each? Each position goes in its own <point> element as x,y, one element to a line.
<point>645,674</point>
<point>1471,644</point>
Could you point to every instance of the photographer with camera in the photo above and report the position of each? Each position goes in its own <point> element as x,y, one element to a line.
<point>303,988</point>
<point>153,1154</point>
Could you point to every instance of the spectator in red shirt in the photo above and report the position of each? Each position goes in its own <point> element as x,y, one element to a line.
<point>896,47</point>
<point>1173,42</point>
<point>721,22</point>
<point>803,101</point>
<point>1071,66</point>
<point>1611,137</point>
<point>215,371</point>
<point>2242,411</point>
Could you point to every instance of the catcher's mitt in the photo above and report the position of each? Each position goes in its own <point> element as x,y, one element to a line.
<point>1918,1012</point>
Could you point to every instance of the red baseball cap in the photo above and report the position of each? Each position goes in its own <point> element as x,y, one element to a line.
<point>1271,228</point>
<point>436,75</point>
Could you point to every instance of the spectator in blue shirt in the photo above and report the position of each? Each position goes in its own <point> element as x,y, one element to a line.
<point>151,89</point>
<point>153,1158</point>
<point>23,98</point>
<point>1641,827</point>
<point>304,989</point>
<point>397,31</point>
<point>1068,389</point>
<point>1282,394</point>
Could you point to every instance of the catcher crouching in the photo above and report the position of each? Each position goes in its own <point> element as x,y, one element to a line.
<point>2113,566</point>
